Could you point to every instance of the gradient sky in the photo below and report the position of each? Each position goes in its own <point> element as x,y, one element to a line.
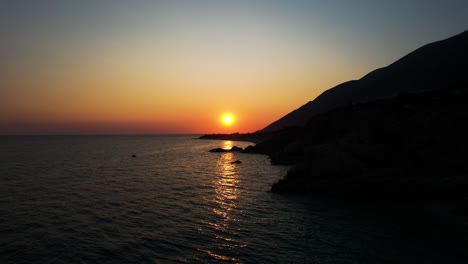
<point>85,67</point>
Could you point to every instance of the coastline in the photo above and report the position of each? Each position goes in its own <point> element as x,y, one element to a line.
<point>248,137</point>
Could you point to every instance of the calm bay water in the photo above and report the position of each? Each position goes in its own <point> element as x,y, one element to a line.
<point>85,199</point>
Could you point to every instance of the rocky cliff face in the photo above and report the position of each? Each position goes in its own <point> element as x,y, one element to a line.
<point>413,145</point>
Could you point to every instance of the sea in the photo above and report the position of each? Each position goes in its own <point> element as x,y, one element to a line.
<point>167,199</point>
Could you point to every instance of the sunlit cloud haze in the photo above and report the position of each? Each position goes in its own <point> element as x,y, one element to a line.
<point>85,67</point>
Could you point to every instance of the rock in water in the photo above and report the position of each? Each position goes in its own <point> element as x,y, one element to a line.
<point>234,148</point>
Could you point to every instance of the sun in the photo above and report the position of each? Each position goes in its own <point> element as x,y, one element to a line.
<point>227,119</point>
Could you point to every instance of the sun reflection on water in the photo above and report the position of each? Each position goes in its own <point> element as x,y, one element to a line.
<point>226,185</point>
<point>227,144</point>
<point>225,207</point>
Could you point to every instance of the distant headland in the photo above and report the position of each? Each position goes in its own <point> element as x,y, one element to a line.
<point>249,137</point>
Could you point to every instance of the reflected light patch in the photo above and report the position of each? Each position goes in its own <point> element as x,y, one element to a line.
<point>227,144</point>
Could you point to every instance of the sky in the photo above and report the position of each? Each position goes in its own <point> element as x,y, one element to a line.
<point>159,67</point>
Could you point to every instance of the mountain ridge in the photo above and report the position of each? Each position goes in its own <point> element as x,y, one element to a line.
<point>426,68</point>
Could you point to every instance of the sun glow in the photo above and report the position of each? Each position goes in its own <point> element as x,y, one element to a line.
<point>227,119</point>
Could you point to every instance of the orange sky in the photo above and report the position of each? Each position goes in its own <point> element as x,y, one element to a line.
<point>175,67</point>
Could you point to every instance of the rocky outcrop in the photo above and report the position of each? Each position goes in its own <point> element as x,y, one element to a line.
<point>234,148</point>
<point>413,146</point>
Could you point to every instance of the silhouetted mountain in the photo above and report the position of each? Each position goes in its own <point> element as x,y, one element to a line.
<point>412,145</point>
<point>438,65</point>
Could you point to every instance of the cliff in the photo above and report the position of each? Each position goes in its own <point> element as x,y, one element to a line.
<point>413,146</point>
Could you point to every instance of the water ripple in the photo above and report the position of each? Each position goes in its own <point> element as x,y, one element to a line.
<point>86,200</point>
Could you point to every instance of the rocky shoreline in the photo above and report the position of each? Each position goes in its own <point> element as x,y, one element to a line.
<point>411,146</point>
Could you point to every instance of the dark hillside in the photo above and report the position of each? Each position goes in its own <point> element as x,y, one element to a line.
<point>414,145</point>
<point>438,65</point>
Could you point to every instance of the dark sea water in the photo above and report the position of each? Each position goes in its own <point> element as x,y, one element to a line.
<point>85,199</point>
